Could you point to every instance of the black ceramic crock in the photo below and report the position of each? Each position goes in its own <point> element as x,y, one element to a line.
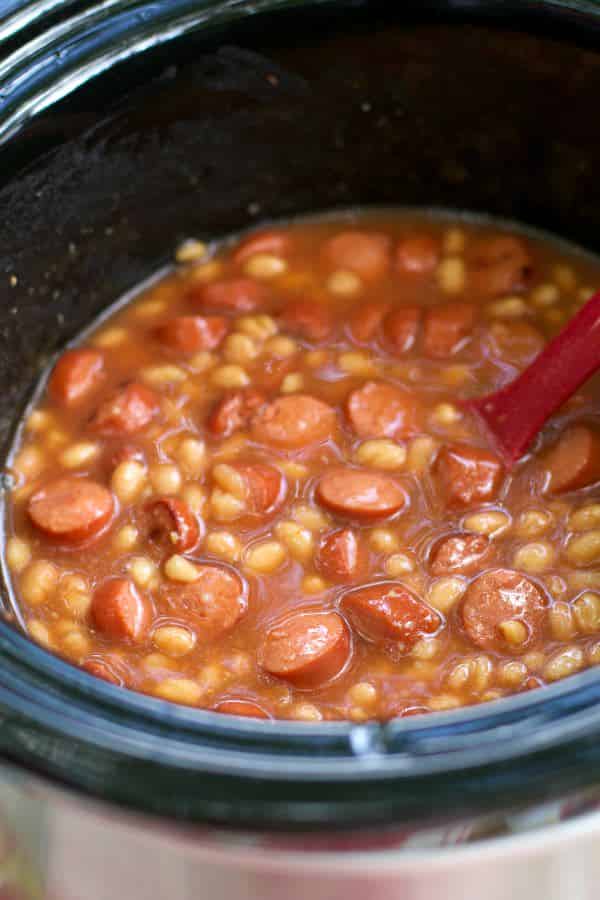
<point>127,127</point>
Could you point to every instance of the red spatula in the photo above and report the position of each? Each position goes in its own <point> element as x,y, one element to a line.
<point>517,412</point>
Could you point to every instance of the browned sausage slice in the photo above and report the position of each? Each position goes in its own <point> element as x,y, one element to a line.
<point>467,474</point>
<point>461,554</point>
<point>265,487</point>
<point>308,649</point>
<point>343,556</point>
<point>359,495</point>
<point>366,319</point>
<point>236,295</point>
<point>118,611</point>
<point>128,410</point>
<point>171,524</point>
<point>71,510</point>
<point>294,422</point>
<point>308,320</point>
<point>275,243</point>
<point>574,461</point>
<point>503,596</point>
<point>234,411</point>
<point>389,612</point>
<point>212,604</point>
<point>517,343</point>
<point>75,375</point>
<point>417,255</point>
<point>235,706</point>
<point>101,668</point>
<point>401,328</point>
<point>499,265</point>
<point>363,252</point>
<point>378,409</point>
<point>446,328</point>
<point>189,334</point>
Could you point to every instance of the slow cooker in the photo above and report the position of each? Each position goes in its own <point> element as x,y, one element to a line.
<point>126,126</point>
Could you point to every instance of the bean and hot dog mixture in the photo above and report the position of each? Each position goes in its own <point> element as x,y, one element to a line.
<point>254,489</point>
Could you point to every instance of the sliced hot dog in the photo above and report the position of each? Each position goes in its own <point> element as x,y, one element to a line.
<point>236,295</point>
<point>264,485</point>
<point>359,495</point>
<point>401,328</point>
<point>234,411</point>
<point>499,265</point>
<point>234,706</point>
<point>378,409</point>
<point>212,604</point>
<point>446,328</point>
<point>308,649</point>
<point>118,611</point>
<point>309,320</point>
<point>503,596</point>
<point>71,510</point>
<point>75,376</point>
<point>293,422</point>
<point>275,243</point>
<point>171,525</point>
<point>101,668</point>
<point>363,252</point>
<point>417,255</point>
<point>517,343</point>
<point>343,556</point>
<point>574,461</point>
<point>128,410</point>
<point>461,554</point>
<point>389,612</point>
<point>189,334</point>
<point>467,474</point>
<point>366,319</point>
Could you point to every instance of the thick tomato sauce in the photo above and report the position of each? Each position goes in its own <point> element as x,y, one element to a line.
<point>254,488</point>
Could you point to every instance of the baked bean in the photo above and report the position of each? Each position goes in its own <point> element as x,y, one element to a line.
<point>461,554</point>
<point>308,320</point>
<point>363,496</point>
<point>188,334</point>
<point>365,253</point>
<point>417,255</point>
<point>76,374</point>
<point>499,597</point>
<point>389,612</point>
<point>574,461</point>
<point>235,295</point>
<point>127,411</point>
<point>517,343</point>
<point>382,410</point>
<point>71,510</point>
<point>294,422</point>
<point>307,650</point>
<point>467,474</point>
<point>447,328</point>
<point>234,411</point>
<point>118,610</point>
<point>212,604</point>
<point>170,524</point>
<point>499,265</point>
<point>343,556</point>
<point>401,328</point>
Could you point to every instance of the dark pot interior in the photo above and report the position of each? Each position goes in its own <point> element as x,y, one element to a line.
<point>486,107</point>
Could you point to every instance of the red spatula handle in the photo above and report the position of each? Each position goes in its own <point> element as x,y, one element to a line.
<point>516,413</point>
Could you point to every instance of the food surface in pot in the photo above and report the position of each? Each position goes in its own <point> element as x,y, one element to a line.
<point>254,488</point>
